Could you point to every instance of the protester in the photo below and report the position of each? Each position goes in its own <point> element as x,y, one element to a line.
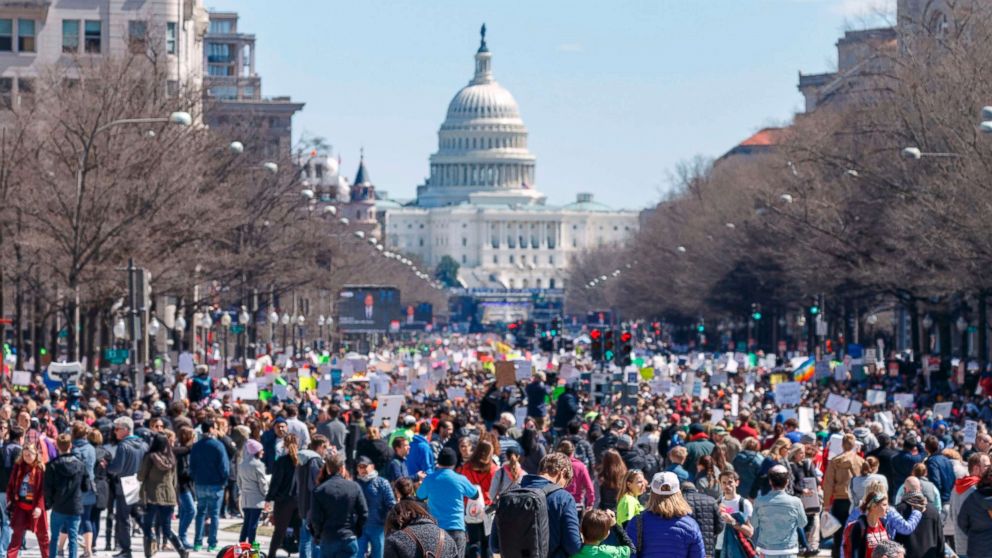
<point>254,486</point>
<point>974,518</point>
<point>707,513</point>
<point>64,484</point>
<point>778,517</point>
<point>864,534</point>
<point>445,492</point>
<point>411,532</point>
<point>185,487</point>
<point>581,487</point>
<point>379,499</point>
<point>596,526</point>
<point>507,476</point>
<point>628,504</point>
<point>128,455</point>
<point>307,478</point>
<point>338,513</point>
<point>927,539</point>
<point>666,528</point>
<point>978,463</point>
<point>158,495</point>
<point>837,486</point>
<point>282,492</point>
<point>26,498</point>
<point>609,477</point>
<point>480,470</point>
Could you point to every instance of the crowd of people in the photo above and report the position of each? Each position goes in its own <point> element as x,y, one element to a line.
<point>548,466</point>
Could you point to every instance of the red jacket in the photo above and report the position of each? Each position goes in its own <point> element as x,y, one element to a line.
<point>37,480</point>
<point>483,480</point>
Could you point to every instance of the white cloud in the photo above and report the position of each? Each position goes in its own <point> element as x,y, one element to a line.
<point>569,47</point>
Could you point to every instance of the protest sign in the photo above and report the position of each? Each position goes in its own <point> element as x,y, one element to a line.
<point>324,386</point>
<point>835,446</point>
<point>840,372</point>
<point>886,420</point>
<point>21,378</point>
<point>806,420</point>
<point>505,374</point>
<point>716,415</point>
<point>970,431</point>
<point>520,414</point>
<point>388,408</point>
<point>854,408</point>
<point>456,393</point>
<point>246,392</point>
<point>788,393</point>
<point>875,397</point>
<point>186,364</point>
<point>904,400</point>
<point>281,391</point>
<point>522,370</point>
<point>943,409</point>
<point>735,403</point>
<point>838,403</point>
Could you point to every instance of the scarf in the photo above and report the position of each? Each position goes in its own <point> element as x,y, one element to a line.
<point>366,478</point>
<point>915,499</point>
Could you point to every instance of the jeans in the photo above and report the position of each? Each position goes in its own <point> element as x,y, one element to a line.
<point>161,518</point>
<point>339,549</point>
<point>69,524</point>
<point>478,542</point>
<point>122,520</point>
<point>208,502</point>
<point>250,526</point>
<point>85,524</point>
<point>308,546</point>
<point>460,539</point>
<point>839,509</point>
<point>5,530</point>
<point>187,512</point>
<point>374,536</point>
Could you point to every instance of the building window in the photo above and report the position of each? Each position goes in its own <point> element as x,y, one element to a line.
<point>6,35</point>
<point>25,92</point>
<point>7,93</point>
<point>523,259</point>
<point>221,26</point>
<point>537,283</point>
<point>575,243</point>
<point>421,241</point>
<point>495,259</point>
<point>511,258</point>
<point>464,259</point>
<point>551,260</point>
<point>92,37</point>
<point>219,70</point>
<point>171,41</point>
<point>70,36</point>
<point>464,241</point>
<point>171,88</point>
<point>551,283</point>
<point>25,36</point>
<point>524,283</point>
<point>137,34</point>
<point>218,52</point>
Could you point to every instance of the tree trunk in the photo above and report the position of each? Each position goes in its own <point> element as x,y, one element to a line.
<point>914,326</point>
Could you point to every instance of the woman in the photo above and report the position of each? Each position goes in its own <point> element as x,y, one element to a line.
<point>479,469</point>
<point>666,528</point>
<point>254,486</point>
<point>282,491</point>
<point>375,448</point>
<point>411,532</point>
<point>26,498</point>
<point>184,488</point>
<point>157,476</point>
<point>506,476</point>
<point>101,485</point>
<point>777,454</point>
<point>973,518</point>
<point>869,473</point>
<point>707,476</point>
<point>628,505</point>
<point>609,478</point>
<point>465,449</point>
<point>533,451</point>
<point>404,489</point>
<point>86,453</point>
<point>863,534</point>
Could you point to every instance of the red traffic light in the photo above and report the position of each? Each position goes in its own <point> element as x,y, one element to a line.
<point>625,337</point>
<point>596,334</point>
<point>512,326</point>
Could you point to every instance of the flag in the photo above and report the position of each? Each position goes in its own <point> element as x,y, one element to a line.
<point>804,372</point>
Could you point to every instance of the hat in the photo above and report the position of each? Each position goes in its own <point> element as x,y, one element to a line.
<point>253,447</point>
<point>618,424</point>
<point>512,450</point>
<point>364,460</point>
<point>137,416</point>
<point>409,420</point>
<point>665,483</point>
<point>696,428</point>
<point>279,420</point>
<point>807,439</point>
<point>719,430</point>
<point>447,458</point>
<point>625,442</point>
<point>676,417</point>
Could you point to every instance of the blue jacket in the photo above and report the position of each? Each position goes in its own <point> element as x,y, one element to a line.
<point>667,538</point>
<point>902,465</point>
<point>395,469</point>
<point>421,457</point>
<point>208,463</point>
<point>445,492</point>
<point>127,457</point>
<point>777,519</point>
<point>379,498</point>
<point>748,467</point>
<point>564,538</point>
<point>940,471</point>
<point>537,399</point>
<point>567,408</point>
<point>87,454</point>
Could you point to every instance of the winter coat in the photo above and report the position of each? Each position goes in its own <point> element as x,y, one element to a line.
<point>583,450</point>
<point>975,520</point>
<point>128,455</point>
<point>566,408</point>
<point>376,450</point>
<point>306,479</point>
<point>940,471</point>
<point>379,499</point>
<point>698,447</point>
<point>421,457</point>
<point>65,482</point>
<point>253,482</point>
<point>403,543</point>
<point>184,479</point>
<point>837,480</point>
<point>927,540</point>
<point>208,462</point>
<point>339,511</point>
<point>747,464</point>
<point>963,488</point>
<point>667,538</point>
<point>706,512</point>
<point>537,399</point>
<point>282,486</point>
<point>101,484</point>
<point>158,483</point>
<point>564,538</point>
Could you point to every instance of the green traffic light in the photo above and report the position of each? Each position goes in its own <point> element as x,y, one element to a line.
<point>814,310</point>
<point>43,351</point>
<point>756,316</point>
<point>701,328</point>
<point>609,355</point>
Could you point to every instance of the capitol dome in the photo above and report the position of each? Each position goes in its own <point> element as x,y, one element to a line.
<point>482,145</point>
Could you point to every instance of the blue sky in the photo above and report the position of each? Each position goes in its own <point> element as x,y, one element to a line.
<point>614,93</point>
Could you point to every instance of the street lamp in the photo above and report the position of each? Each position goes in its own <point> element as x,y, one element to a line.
<point>244,318</point>
<point>285,324</point>
<point>300,320</point>
<point>180,330</point>
<point>273,320</point>
<point>225,322</point>
<point>927,322</point>
<point>120,329</point>
<point>320,326</point>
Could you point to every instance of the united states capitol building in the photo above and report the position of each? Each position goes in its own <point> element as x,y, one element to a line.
<point>481,205</point>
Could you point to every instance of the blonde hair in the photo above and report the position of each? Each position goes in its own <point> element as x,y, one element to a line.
<point>627,479</point>
<point>778,446</point>
<point>871,493</point>
<point>672,506</point>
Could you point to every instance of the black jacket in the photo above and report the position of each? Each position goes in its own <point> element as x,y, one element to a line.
<point>184,479</point>
<point>306,480</point>
<point>376,450</point>
<point>338,511</point>
<point>583,450</point>
<point>927,540</point>
<point>706,512</point>
<point>608,441</point>
<point>101,484</point>
<point>65,482</point>
<point>282,487</point>
<point>403,544</point>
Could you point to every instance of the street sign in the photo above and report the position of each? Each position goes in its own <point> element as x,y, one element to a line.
<point>237,328</point>
<point>115,356</point>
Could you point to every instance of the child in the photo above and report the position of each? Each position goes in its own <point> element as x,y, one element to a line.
<point>596,526</point>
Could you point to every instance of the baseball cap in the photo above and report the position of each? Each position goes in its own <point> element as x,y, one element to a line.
<point>364,460</point>
<point>618,424</point>
<point>665,483</point>
<point>409,420</point>
<point>624,442</point>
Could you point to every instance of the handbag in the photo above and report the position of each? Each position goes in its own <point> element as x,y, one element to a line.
<point>475,509</point>
<point>828,524</point>
<point>131,489</point>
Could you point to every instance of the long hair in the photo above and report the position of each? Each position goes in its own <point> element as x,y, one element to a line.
<point>672,506</point>
<point>481,459</point>
<point>528,441</point>
<point>611,470</point>
<point>38,464</point>
<point>404,513</point>
<point>775,452</point>
<point>292,445</point>
<point>627,479</point>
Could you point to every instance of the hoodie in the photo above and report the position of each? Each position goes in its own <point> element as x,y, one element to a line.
<point>963,487</point>
<point>65,482</point>
<point>421,457</point>
<point>306,479</point>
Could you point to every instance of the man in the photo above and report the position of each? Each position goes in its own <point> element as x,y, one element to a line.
<point>439,438</point>
<point>927,540</point>
<point>338,513</point>
<point>940,471</point>
<point>380,499</point>
<point>397,465</point>
<point>885,454</point>
<point>369,306</point>
<point>179,391</point>
<point>744,428</point>
<point>201,387</point>
<point>633,456</point>
<point>311,461</point>
<point>904,461</point>
<point>231,492</point>
<point>210,469</point>
<point>583,449</point>
<point>698,446</point>
<point>566,408</point>
<point>537,396</point>
<point>295,426</point>
<point>837,486</point>
<point>421,456</point>
<point>730,503</point>
<point>66,480</point>
<point>333,428</point>
<point>778,517</point>
<point>731,446</point>
<point>706,512</point>
<point>608,440</point>
<point>581,487</point>
<point>888,549</point>
<point>128,455</point>
<point>564,538</point>
<point>9,452</point>
<point>792,430</point>
<point>978,463</point>
<point>406,430</point>
<point>676,457</point>
<point>445,492</point>
<point>272,442</point>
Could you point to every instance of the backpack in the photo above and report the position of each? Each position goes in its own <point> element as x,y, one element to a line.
<point>8,456</point>
<point>522,519</point>
<point>198,390</point>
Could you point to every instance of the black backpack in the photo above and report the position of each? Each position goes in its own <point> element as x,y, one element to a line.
<point>522,521</point>
<point>8,456</point>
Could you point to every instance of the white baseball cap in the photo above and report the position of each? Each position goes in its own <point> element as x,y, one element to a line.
<point>665,484</point>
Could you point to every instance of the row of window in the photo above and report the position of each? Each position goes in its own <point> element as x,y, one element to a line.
<point>78,34</point>
<point>523,259</point>
<point>518,141</point>
<point>525,284</point>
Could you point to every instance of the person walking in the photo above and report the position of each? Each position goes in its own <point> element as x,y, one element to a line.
<point>480,469</point>
<point>837,486</point>
<point>421,456</point>
<point>666,528</point>
<point>978,463</point>
<point>307,479</point>
<point>707,513</point>
<point>411,532</point>
<point>254,486</point>
<point>185,487</point>
<point>26,498</point>
<point>778,517</point>
<point>609,478</point>
<point>865,533</point>
<point>581,487</point>
<point>282,492</point>
<point>101,482</point>
<point>65,482</point>
<point>11,438</point>
<point>379,499</point>
<point>128,454</point>
<point>86,453</point>
<point>209,469</point>
<point>338,513</point>
<point>158,495</point>
<point>445,492</point>
<point>974,518</point>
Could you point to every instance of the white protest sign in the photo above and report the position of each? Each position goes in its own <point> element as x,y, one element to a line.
<point>324,386</point>
<point>456,393</point>
<point>735,404</point>
<point>731,367</point>
<point>885,419</point>
<point>520,414</point>
<point>786,414</point>
<point>904,400</point>
<point>840,372</point>
<point>855,408</point>
<point>806,420</point>
<point>835,446</point>
<point>523,370</point>
<point>186,364</point>
<point>716,415</point>
<point>876,397</point>
<point>970,431</point>
<point>788,393</point>
<point>388,409</point>
<point>281,391</point>
<point>943,409</point>
<point>838,403</point>
<point>567,372</point>
<point>246,392</point>
<point>21,378</point>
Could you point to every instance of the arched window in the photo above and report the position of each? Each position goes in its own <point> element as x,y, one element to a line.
<point>551,283</point>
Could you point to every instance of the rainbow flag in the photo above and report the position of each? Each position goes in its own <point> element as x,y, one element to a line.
<point>804,372</point>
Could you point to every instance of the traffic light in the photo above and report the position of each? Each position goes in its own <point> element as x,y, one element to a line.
<point>609,346</point>
<point>555,327</point>
<point>701,328</point>
<point>626,349</point>
<point>756,312</point>
<point>814,309</point>
<point>596,345</point>
<point>530,328</point>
